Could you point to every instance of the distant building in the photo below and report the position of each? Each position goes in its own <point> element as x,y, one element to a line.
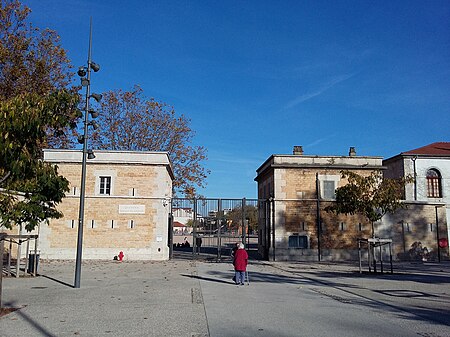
<point>293,223</point>
<point>181,229</point>
<point>127,206</point>
<point>183,215</point>
<point>428,198</point>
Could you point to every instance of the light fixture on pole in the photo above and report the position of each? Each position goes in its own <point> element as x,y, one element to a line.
<point>97,97</point>
<point>90,154</point>
<point>93,124</point>
<point>94,66</point>
<point>85,74</point>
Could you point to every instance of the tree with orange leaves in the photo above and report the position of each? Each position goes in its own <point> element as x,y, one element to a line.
<point>129,121</point>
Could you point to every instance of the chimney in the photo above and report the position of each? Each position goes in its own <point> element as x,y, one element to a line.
<point>298,150</point>
<point>352,152</point>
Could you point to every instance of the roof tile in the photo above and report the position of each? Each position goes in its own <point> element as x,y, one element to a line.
<point>434,149</point>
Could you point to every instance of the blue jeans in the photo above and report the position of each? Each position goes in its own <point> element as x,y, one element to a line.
<point>239,276</point>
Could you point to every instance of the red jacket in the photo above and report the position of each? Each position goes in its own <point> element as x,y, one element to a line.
<point>240,260</point>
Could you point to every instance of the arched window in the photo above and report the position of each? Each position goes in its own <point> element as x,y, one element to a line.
<point>434,183</point>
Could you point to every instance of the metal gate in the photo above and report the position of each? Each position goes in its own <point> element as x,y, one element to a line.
<point>210,228</point>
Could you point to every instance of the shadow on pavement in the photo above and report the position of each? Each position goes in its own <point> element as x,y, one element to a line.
<point>39,328</point>
<point>208,279</point>
<point>56,280</point>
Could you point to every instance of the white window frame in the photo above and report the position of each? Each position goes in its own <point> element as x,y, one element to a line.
<point>328,177</point>
<point>105,173</point>
<point>105,185</point>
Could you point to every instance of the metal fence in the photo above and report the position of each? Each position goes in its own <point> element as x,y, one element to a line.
<point>210,228</point>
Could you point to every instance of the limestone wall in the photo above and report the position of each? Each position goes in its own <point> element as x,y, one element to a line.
<point>133,218</point>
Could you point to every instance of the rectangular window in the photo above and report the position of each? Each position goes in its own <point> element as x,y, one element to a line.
<point>433,188</point>
<point>360,226</point>
<point>93,224</point>
<point>105,185</point>
<point>113,224</point>
<point>131,224</point>
<point>329,189</point>
<point>71,223</point>
<point>342,226</point>
<point>298,241</point>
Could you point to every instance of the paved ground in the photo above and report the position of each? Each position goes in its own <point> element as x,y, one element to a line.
<point>186,298</point>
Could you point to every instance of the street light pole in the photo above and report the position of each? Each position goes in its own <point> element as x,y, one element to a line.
<point>83,165</point>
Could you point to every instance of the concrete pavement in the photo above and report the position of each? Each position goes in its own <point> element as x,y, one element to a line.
<point>198,298</point>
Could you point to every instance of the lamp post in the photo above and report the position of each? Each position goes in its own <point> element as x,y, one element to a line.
<point>85,74</point>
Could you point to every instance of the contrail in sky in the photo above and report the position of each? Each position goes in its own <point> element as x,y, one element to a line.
<point>318,92</point>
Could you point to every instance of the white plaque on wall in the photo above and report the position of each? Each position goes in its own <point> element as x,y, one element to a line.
<point>131,209</point>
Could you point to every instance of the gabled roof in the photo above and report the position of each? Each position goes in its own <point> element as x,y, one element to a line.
<point>434,149</point>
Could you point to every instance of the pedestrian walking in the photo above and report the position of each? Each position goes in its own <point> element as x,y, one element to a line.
<point>240,264</point>
<point>235,248</point>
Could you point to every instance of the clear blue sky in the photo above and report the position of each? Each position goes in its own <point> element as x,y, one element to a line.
<point>258,77</point>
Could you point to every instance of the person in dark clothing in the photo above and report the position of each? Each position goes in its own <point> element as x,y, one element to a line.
<point>240,264</point>
<point>235,248</point>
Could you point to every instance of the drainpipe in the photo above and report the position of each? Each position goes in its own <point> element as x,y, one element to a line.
<point>318,216</point>
<point>273,228</point>
<point>415,177</point>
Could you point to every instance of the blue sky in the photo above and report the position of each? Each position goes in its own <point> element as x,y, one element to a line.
<point>258,77</point>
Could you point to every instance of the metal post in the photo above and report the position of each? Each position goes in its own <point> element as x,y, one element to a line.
<point>359,254</point>
<point>170,234</point>
<point>381,258</point>
<point>19,252</point>
<point>83,170</point>
<point>26,257</point>
<point>2,246</point>
<point>219,223</point>
<point>194,231</point>
<point>243,220</point>
<point>403,237</point>
<point>390,257</point>
<point>9,258</point>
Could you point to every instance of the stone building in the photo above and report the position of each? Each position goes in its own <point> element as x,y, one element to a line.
<point>293,223</point>
<point>297,188</point>
<point>127,205</point>
<point>427,214</point>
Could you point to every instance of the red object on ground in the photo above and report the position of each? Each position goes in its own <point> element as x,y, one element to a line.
<point>121,256</point>
<point>443,242</point>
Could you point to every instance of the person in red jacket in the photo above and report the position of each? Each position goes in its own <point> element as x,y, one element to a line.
<point>240,264</point>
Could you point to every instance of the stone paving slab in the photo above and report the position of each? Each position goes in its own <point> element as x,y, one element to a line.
<point>198,298</point>
<point>115,299</point>
<point>327,299</point>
